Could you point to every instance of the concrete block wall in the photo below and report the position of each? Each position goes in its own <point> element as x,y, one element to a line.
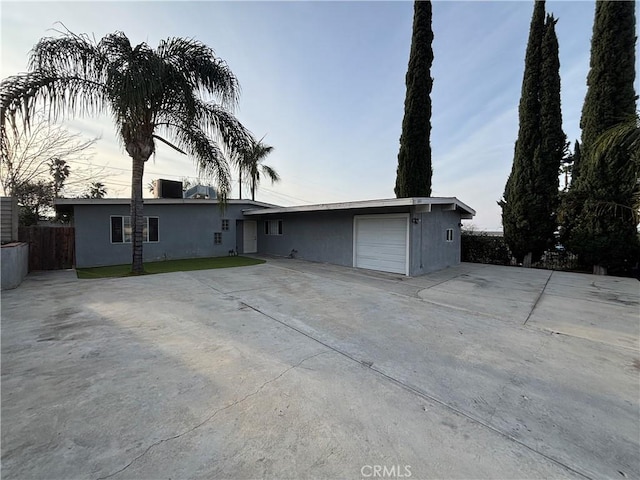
<point>14,264</point>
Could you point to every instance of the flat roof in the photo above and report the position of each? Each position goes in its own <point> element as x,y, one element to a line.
<point>156,201</point>
<point>426,202</point>
<point>65,205</point>
<point>450,203</point>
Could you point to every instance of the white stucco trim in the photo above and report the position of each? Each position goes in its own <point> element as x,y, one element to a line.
<point>424,203</point>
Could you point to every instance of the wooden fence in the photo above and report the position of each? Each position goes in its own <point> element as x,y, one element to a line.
<point>50,248</point>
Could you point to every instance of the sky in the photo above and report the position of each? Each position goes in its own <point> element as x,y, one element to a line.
<point>324,83</point>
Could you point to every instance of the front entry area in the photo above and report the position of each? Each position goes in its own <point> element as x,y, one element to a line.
<point>250,236</point>
<point>381,242</point>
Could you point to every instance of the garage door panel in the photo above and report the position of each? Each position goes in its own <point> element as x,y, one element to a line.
<point>381,243</point>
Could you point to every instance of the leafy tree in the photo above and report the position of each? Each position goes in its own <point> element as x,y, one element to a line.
<point>250,163</point>
<point>28,155</point>
<point>602,237</point>
<point>34,199</point>
<point>147,91</point>
<point>413,177</point>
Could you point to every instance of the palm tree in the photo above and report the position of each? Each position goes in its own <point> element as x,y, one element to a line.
<point>250,163</point>
<point>97,190</point>
<point>624,135</point>
<point>60,171</point>
<point>147,91</point>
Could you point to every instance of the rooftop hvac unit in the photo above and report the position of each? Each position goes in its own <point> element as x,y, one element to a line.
<point>201,191</point>
<point>167,189</point>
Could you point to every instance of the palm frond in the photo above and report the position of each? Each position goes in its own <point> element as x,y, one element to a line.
<point>208,156</point>
<point>216,121</point>
<point>21,95</point>
<point>625,134</point>
<point>198,64</point>
<point>69,55</point>
<point>270,173</point>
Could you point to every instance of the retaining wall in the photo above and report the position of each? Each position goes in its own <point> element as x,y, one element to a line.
<point>14,264</point>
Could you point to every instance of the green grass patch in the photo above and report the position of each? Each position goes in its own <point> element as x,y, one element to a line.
<point>168,266</point>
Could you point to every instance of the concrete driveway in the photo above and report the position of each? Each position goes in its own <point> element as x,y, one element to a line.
<point>300,370</point>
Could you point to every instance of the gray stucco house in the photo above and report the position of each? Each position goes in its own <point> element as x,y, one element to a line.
<point>409,236</point>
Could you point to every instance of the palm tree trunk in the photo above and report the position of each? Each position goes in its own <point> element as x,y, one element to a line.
<point>240,184</point>
<point>137,215</point>
<point>253,188</point>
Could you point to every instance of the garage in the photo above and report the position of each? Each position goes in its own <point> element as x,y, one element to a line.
<point>406,236</point>
<point>381,242</point>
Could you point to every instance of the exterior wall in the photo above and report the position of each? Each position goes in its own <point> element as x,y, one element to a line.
<point>317,236</point>
<point>185,231</point>
<point>15,264</point>
<point>429,249</point>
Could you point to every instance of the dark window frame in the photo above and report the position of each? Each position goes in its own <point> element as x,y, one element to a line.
<point>273,227</point>
<point>449,235</point>
<point>120,229</point>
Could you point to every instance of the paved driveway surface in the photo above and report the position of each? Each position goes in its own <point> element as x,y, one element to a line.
<point>300,370</point>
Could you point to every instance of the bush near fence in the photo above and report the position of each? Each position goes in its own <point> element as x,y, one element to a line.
<point>492,250</point>
<point>483,248</point>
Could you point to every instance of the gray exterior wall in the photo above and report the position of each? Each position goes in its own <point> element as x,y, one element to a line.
<point>14,264</point>
<point>429,249</point>
<point>328,237</point>
<point>317,236</point>
<point>185,231</point>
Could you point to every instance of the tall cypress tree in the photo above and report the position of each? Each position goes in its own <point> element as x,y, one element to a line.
<point>518,219</point>
<point>604,232</point>
<point>553,143</point>
<point>413,178</point>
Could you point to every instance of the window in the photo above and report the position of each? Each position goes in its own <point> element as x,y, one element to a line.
<point>121,229</point>
<point>225,224</point>
<point>217,238</point>
<point>152,232</point>
<point>273,227</point>
<point>449,234</point>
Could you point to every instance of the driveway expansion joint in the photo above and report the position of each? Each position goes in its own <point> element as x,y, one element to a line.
<point>535,304</point>
<point>419,392</point>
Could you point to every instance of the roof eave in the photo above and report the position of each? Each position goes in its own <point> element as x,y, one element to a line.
<point>451,202</point>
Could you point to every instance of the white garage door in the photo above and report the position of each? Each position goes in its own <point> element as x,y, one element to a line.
<point>381,242</point>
